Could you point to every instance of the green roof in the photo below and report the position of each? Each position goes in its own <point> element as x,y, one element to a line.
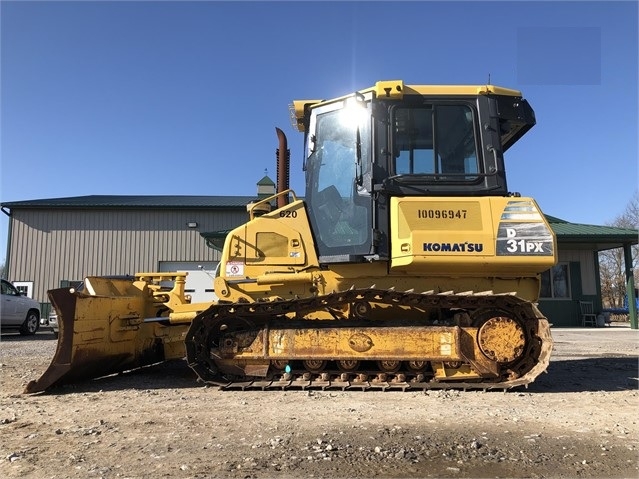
<point>266,181</point>
<point>602,237</point>
<point>115,201</point>
<point>215,239</point>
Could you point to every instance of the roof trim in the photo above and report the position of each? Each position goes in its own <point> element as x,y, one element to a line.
<point>125,201</point>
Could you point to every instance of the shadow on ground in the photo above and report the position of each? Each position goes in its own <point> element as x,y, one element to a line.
<point>167,375</point>
<point>589,374</point>
<point>579,375</point>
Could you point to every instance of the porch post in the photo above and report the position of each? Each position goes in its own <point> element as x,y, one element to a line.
<point>630,286</point>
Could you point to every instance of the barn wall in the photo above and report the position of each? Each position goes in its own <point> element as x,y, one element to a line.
<point>48,246</point>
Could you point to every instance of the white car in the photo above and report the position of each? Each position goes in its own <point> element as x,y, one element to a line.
<point>51,321</point>
<point>18,312</point>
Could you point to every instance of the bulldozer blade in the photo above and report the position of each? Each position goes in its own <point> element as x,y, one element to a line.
<point>102,335</point>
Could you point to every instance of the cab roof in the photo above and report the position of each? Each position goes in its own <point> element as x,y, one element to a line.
<point>395,90</point>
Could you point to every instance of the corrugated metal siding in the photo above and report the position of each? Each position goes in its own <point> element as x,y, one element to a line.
<point>586,260</point>
<point>48,246</point>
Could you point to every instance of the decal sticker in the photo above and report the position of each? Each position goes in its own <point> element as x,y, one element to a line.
<point>524,239</point>
<point>465,247</point>
<point>446,346</point>
<point>234,268</point>
<point>437,214</point>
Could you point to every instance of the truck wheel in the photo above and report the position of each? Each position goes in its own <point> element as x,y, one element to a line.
<point>31,323</point>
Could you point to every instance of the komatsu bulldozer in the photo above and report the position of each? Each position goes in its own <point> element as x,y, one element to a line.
<point>407,264</point>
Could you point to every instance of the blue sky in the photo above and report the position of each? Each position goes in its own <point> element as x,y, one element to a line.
<point>152,98</point>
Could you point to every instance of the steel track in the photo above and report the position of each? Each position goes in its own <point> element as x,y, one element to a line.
<point>534,361</point>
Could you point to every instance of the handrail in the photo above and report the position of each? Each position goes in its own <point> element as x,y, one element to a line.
<point>268,200</point>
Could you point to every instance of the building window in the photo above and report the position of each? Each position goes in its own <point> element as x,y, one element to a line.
<point>555,282</point>
<point>25,288</point>
<point>66,283</point>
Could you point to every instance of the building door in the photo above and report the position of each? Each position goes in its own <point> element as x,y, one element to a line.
<point>199,280</point>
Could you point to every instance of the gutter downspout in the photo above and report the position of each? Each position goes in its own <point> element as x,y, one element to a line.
<point>7,260</point>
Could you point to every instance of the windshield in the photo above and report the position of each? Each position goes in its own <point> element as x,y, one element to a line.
<point>339,203</point>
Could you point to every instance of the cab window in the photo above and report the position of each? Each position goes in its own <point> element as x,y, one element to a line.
<point>436,140</point>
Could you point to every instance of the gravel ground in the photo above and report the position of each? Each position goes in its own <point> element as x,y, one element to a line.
<point>579,420</point>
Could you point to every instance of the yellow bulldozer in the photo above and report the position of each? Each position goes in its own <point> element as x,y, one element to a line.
<point>406,265</point>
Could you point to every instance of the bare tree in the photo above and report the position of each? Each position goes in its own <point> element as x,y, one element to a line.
<point>612,266</point>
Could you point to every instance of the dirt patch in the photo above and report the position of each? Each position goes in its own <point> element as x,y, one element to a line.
<point>579,420</point>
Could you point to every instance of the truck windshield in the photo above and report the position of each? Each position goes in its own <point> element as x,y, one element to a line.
<point>338,203</point>
<point>437,140</point>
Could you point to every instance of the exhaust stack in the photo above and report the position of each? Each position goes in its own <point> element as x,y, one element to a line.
<point>283,167</point>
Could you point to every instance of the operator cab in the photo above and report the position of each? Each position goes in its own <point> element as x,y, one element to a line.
<point>400,140</point>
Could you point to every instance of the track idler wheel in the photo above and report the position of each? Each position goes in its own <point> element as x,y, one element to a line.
<point>279,365</point>
<point>416,366</point>
<point>348,365</point>
<point>501,339</point>
<point>314,365</point>
<point>389,366</point>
